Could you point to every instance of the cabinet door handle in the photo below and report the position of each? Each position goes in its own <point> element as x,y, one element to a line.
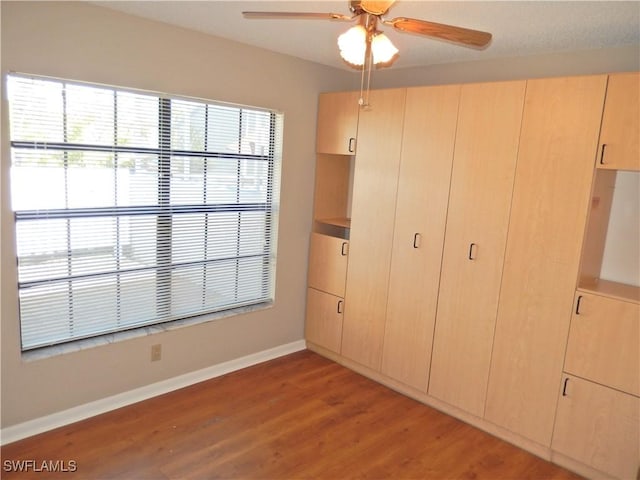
<point>344,249</point>
<point>417,240</point>
<point>340,303</point>
<point>578,304</point>
<point>471,251</point>
<point>602,154</point>
<point>352,144</point>
<point>564,387</point>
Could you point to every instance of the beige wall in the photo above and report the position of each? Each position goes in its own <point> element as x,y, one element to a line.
<point>86,42</point>
<point>90,43</point>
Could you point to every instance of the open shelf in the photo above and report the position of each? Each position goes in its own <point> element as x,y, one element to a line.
<point>606,288</point>
<point>336,221</point>
<point>611,248</point>
<point>331,208</point>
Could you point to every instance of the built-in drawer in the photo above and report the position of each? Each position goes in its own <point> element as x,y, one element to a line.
<point>603,342</point>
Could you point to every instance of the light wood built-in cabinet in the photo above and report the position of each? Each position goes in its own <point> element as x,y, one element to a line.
<point>598,414</point>
<point>604,342</point>
<point>486,148</point>
<point>620,135</point>
<point>324,319</point>
<point>558,143</point>
<point>375,186</point>
<point>337,123</point>
<point>599,427</point>
<point>430,119</point>
<point>328,263</point>
<point>325,295</point>
<point>329,241</point>
<point>473,248</point>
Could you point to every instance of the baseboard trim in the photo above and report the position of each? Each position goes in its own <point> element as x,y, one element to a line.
<point>81,412</point>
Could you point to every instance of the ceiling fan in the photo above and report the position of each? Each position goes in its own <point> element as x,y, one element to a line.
<point>364,43</point>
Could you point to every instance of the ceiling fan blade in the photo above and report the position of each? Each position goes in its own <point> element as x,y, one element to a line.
<point>376,7</point>
<point>297,15</point>
<point>461,35</point>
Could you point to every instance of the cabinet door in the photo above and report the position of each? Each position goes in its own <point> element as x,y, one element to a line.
<point>373,208</point>
<point>621,123</point>
<point>423,189</point>
<point>337,123</point>
<point>483,171</point>
<point>603,342</point>
<point>599,427</point>
<point>558,142</point>
<point>324,319</point>
<point>328,263</point>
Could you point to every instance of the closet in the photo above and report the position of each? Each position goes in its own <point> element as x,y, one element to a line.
<point>463,245</point>
<point>484,164</point>
<point>375,185</point>
<point>329,241</point>
<point>558,142</point>
<point>430,120</point>
<point>598,414</point>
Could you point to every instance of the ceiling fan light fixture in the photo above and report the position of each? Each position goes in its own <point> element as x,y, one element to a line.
<point>364,45</point>
<point>353,45</point>
<point>382,49</point>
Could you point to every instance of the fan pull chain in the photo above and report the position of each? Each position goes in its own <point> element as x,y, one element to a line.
<point>361,99</point>
<point>368,62</point>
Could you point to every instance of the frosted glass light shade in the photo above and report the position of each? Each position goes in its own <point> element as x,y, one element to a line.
<point>353,45</point>
<point>382,48</point>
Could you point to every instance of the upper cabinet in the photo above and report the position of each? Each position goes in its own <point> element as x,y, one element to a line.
<point>337,123</point>
<point>484,166</point>
<point>620,135</point>
<point>558,142</point>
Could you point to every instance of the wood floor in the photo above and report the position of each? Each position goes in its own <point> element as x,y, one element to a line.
<point>299,416</point>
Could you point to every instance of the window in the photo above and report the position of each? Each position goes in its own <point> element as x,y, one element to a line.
<point>133,208</point>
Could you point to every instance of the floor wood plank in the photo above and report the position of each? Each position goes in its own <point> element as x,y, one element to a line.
<point>299,416</point>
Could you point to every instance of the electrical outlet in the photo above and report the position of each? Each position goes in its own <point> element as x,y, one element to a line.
<point>156,352</point>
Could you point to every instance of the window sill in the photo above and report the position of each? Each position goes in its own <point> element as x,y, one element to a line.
<point>87,343</point>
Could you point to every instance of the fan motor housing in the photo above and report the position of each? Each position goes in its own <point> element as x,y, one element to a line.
<point>374,7</point>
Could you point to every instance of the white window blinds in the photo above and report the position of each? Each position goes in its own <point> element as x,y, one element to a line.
<point>134,209</point>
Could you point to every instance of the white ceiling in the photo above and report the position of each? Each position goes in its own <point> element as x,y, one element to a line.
<point>518,27</point>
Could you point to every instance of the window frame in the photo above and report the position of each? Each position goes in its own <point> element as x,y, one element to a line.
<point>165,210</point>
